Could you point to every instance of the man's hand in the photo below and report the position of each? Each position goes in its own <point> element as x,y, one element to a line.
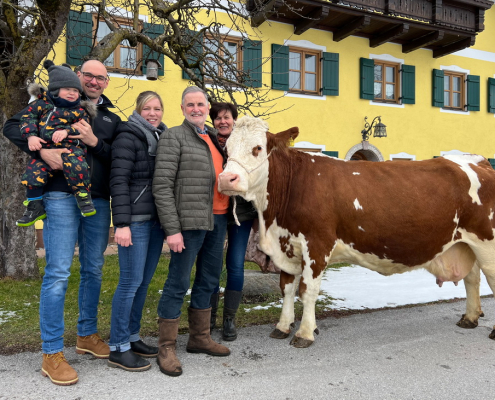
<point>86,134</point>
<point>123,236</point>
<point>34,143</point>
<point>59,135</point>
<point>53,157</point>
<point>176,242</point>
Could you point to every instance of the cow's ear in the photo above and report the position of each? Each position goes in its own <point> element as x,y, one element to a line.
<point>282,139</point>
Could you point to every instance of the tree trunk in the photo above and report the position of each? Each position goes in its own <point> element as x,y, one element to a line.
<point>17,245</point>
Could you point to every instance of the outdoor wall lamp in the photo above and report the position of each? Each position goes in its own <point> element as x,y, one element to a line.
<point>380,129</point>
<point>152,67</point>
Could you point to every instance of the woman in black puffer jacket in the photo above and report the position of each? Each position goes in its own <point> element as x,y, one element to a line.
<point>137,229</point>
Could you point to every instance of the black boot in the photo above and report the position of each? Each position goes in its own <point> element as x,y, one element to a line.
<point>214,308</point>
<point>128,360</point>
<point>232,299</point>
<point>142,349</point>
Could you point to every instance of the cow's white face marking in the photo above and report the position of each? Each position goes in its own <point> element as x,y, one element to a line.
<point>356,173</point>
<point>248,159</point>
<point>463,161</point>
<point>357,206</point>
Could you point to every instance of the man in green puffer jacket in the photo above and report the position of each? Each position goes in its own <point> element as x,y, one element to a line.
<point>194,217</point>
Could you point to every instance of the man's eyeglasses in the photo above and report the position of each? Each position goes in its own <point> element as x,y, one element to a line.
<point>88,77</point>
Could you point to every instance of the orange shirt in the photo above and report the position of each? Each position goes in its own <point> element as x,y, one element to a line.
<point>220,201</point>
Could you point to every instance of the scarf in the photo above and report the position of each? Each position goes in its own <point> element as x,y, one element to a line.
<point>151,133</point>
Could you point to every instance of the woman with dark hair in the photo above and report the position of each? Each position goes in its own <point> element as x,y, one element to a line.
<point>223,116</point>
<point>137,229</point>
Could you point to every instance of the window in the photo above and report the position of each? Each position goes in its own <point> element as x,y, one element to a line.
<point>244,55</point>
<point>457,91</point>
<point>305,71</point>
<point>453,90</point>
<point>386,78</point>
<point>230,51</point>
<point>125,58</point>
<point>81,31</point>
<point>387,82</point>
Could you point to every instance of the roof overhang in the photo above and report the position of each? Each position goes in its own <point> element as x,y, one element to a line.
<point>444,26</point>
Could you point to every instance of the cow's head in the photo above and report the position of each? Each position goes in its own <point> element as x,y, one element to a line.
<point>249,148</point>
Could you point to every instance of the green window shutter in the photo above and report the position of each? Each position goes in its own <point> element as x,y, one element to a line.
<point>473,93</point>
<point>79,37</point>
<point>330,74</point>
<point>252,62</point>
<point>196,50</point>
<point>492,162</point>
<point>280,67</point>
<point>331,153</point>
<point>491,95</point>
<point>367,75</point>
<point>152,30</point>
<point>437,88</point>
<point>408,84</point>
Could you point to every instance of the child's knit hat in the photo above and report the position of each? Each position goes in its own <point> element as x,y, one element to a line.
<point>61,76</point>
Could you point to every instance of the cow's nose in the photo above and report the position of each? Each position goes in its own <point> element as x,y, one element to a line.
<point>227,180</point>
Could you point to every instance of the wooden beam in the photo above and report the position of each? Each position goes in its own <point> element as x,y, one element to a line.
<point>422,41</point>
<point>354,26</point>
<point>268,10</point>
<point>310,20</point>
<point>451,48</point>
<point>389,35</point>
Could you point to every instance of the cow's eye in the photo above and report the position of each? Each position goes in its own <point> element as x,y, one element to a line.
<point>259,148</point>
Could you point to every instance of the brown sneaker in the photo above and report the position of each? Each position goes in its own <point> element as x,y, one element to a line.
<point>56,367</point>
<point>92,344</point>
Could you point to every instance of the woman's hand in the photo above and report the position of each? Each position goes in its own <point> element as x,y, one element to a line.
<point>176,242</point>
<point>123,236</point>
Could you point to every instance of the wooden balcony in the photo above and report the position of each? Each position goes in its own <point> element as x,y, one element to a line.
<point>444,26</point>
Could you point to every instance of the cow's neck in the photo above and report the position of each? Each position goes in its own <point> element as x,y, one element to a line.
<point>278,187</point>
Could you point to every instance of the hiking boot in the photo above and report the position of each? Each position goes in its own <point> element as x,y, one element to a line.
<point>85,204</point>
<point>92,344</point>
<point>35,211</point>
<point>56,367</point>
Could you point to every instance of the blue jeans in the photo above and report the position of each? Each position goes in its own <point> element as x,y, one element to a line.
<point>63,227</point>
<point>208,247</point>
<point>137,265</point>
<point>237,239</point>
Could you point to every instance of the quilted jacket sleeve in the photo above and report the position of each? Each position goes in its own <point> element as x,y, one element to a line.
<point>164,181</point>
<point>30,119</point>
<point>123,160</point>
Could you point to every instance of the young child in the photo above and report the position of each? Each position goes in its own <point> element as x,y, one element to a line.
<point>47,125</point>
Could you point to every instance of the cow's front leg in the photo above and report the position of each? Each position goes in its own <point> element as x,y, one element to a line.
<point>309,289</point>
<point>288,286</point>
<point>469,320</point>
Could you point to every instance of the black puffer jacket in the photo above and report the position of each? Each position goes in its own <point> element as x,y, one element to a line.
<point>131,176</point>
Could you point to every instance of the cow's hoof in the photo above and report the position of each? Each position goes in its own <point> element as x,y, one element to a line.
<point>278,334</point>
<point>466,324</point>
<point>492,335</point>
<point>300,343</point>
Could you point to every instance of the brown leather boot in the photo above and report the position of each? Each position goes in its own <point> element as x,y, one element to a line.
<point>92,344</point>
<point>56,367</point>
<point>200,340</point>
<point>167,358</point>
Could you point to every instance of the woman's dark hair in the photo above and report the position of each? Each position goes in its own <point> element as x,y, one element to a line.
<point>217,107</point>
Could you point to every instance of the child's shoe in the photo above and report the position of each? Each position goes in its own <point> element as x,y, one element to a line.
<point>85,204</point>
<point>35,211</point>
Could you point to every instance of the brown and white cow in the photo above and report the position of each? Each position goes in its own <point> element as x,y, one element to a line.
<point>391,217</point>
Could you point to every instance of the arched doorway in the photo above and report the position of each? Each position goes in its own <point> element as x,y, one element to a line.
<point>364,151</point>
